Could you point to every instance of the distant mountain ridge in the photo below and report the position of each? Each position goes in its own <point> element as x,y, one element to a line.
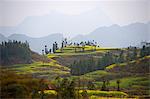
<point>111,36</point>
<point>56,22</point>
<point>118,36</point>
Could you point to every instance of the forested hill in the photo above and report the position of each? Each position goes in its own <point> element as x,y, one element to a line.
<point>13,52</point>
<point>17,52</point>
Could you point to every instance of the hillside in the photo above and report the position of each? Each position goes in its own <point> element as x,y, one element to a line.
<point>17,52</point>
<point>49,70</point>
<point>137,66</point>
<point>57,64</point>
<point>133,77</point>
<point>68,56</point>
<point>85,66</point>
<point>16,56</point>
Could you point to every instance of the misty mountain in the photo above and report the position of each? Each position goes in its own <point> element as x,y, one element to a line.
<point>56,22</point>
<point>118,36</point>
<point>112,36</point>
<point>36,44</point>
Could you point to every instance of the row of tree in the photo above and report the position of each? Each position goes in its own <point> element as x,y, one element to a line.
<point>105,85</point>
<point>15,52</point>
<point>77,46</point>
<point>84,66</point>
<point>145,51</point>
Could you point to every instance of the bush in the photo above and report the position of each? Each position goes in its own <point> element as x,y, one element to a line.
<point>17,86</point>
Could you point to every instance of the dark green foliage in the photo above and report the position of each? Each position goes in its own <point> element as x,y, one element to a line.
<point>13,52</point>
<point>91,85</point>
<point>65,42</point>
<point>106,60</point>
<point>17,90</point>
<point>118,85</point>
<point>134,53</point>
<point>83,66</point>
<point>65,88</point>
<point>49,50</point>
<point>17,86</point>
<point>121,57</point>
<point>62,46</point>
<point>55,47</point>
<point>91,64</point>
<point>145,51</point>
<point>46,50</point>
<point>103,88</point>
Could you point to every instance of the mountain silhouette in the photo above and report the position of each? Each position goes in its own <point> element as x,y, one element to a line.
<point>118,36</point>
<point>110,36</point>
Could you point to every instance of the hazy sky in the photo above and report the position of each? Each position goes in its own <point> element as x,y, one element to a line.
<point>121,12</point>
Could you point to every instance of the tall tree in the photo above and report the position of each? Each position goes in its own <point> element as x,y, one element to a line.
<point>145,51</point>
<point>103,88</point>
<point>118,85</point>
<point>54,48</point>
<point>134,53</point>
<point>121,57</point>
<point>46,50</point>
<point>65,42</point>
<point>62,46</point>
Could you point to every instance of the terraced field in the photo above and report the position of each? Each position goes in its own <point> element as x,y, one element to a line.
<point>70,51</point>
<point>41,70</point>
<point>133,75</point>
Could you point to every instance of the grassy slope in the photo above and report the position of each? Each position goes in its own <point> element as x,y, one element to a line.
<point>68,56</point>
<point>133,76</point>
<point>129,82</point>
<point>40,69</point>
<point>52,69</point>
<point>69,51</point>
<point>136,66</point>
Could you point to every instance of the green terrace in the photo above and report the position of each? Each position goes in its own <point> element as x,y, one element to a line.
<point>78,50</point>
<point>40,69</point>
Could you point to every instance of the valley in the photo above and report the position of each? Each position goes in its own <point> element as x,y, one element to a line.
<point>132,75</point>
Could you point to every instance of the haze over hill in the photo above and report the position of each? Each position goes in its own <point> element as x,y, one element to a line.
<point>118,36</point>
<point>56,22</point>
<point>70,18</point>
<point>111,36</point>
